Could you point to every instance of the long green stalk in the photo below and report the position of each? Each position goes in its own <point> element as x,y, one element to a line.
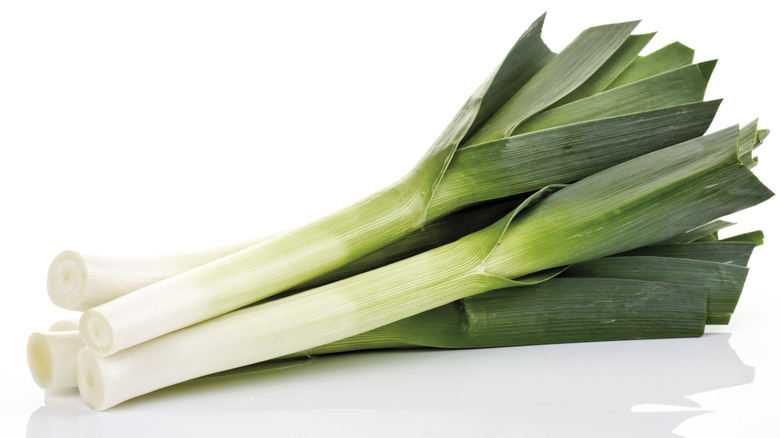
<point>722,286</point>
<point>530,80</point>
<point>80,281</point>
<point>556,311</point>
<point>587,212</point>
<point>642,201</point>
<point>578,305</point>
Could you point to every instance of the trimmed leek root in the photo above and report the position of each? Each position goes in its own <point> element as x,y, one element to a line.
<point>79,281</point>
<point>51,358</point>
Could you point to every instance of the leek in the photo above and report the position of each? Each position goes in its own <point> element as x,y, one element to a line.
<point>51,357</point>
<point>578,305</point>
<point>529,81</point>
<point>78,281</point>
<point>645,200</point>
<point>568,181</point>
<point>582,308</point>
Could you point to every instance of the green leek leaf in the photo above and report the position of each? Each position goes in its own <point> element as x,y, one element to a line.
<point>667,58</point>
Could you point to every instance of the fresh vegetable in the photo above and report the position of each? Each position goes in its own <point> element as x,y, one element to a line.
<point>571,179</point>
<point>640,202</point>
<point>450,177</point>
<point>581,304</point>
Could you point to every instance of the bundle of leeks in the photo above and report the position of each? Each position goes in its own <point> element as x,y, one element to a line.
<point>574,197</point>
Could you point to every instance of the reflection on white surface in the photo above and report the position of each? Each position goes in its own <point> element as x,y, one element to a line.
<point>552,391</point>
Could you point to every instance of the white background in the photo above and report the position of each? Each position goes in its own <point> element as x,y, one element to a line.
<point>156,126</point>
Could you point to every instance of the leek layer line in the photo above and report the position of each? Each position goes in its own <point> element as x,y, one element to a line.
<point>640,202</point>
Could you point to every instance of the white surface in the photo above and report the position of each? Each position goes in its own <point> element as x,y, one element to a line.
<point>149,127</point>
<point>588,389</point>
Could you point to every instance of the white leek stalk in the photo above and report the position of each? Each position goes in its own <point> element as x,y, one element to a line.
<point>64,324</point>
<point>79,281</point>
<point>51,357</point>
